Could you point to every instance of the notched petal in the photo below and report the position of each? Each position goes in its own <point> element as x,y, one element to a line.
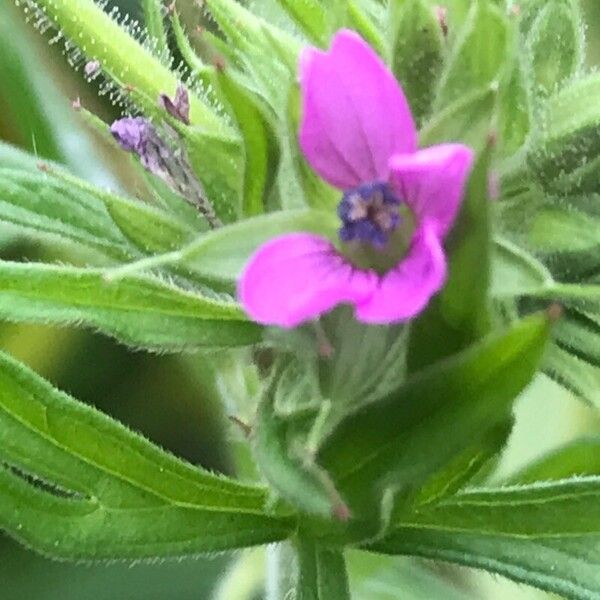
<point>355,114</point>
<point>297,277</point>
<point>406,290</point>
<point>432,182</point>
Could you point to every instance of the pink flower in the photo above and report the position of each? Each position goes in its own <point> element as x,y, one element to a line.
<point>358,134</point>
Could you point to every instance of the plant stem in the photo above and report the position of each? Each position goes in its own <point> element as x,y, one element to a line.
<point>281,571</point>
<point>321,573</point>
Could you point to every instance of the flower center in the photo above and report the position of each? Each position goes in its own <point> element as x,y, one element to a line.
<point>369,214</point>
<point>376,226</point>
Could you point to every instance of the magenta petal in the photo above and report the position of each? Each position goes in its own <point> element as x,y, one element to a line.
<point>405,291</point>
<point>296,277</point>
<point>355,115</point>
<point>432,181</point>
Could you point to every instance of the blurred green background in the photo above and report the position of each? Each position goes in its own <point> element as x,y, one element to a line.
<point>171,400</point>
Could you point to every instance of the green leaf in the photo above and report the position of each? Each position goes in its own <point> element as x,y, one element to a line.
<point>287,465</point>
<point>149,228</point>
<point>140,311</point>
<point>405,436</point>
<point>311,17</point>
<point>467,120</point>
<point>362,22</point>
<point>575,459</point>
<point>573,373</point>
<point>75,484</point>
<point>221,254</point>
<point>559,230</point>
<point>417,52</point>
<point>260,146</point>
<point>459,315</point>
<point>566,154</point>
<point>465,467</point>
<point>126,61</point>
<point>34,110</point>
<point>515,272</point>
<point>49,210</point>
<point>268,54</point>
<point>321,573</point>
<point>579,334</point>
<point>155,24</point>
<point>378,577</point>
<point>544,535</point>
<point>554,45</point>
<point>479,56</point>
<point>515,112</point>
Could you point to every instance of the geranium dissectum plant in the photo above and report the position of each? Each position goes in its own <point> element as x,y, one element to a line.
<point>290,160</point>
<point>398,201</point>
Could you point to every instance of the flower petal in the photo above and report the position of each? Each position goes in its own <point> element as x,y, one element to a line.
<point>355,115</point>
<point>404,291</point>
<point>296,277</point>
<point>432,181</point>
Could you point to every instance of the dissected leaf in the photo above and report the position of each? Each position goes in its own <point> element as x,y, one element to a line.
<point>76,484</point>
<point>544,535</point>
<point>405,436</point>
<point>138,310</point>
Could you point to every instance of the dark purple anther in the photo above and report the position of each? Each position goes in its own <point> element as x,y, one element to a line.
<point>369,213</point>
<point>179,107</point>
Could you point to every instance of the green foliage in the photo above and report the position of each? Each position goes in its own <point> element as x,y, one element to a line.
<point>378,577</point>
<point>45,209</point>
<point>372,436</point>
<point>417,49</point>
<point>311,17</point>
<point>553,45</point>
<point>564,158</point>
<point>545,535</point>
<point>221,254</point>
<point>286,468</point>
<point>322,573</point>
<point>141,311</point>
<point>404,437</point>
<point>155,24</point>
<point>75,484</point>
<point>575,459</point>
<point>476,62</point>
<point>259,144</point>
<point>460,314</point>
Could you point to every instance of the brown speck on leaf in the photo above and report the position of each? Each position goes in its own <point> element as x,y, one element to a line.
<point>246,429</point>
<point>515,10</point>
<point>441,13</point>
<point>341,512</point>
<point>554,312</point>
<point>492,138</point>
<point>219,63</point>
<point>76,103</point>
<point>44,167</point>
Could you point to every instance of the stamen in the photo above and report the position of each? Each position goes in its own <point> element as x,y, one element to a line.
<point>369,213</point>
